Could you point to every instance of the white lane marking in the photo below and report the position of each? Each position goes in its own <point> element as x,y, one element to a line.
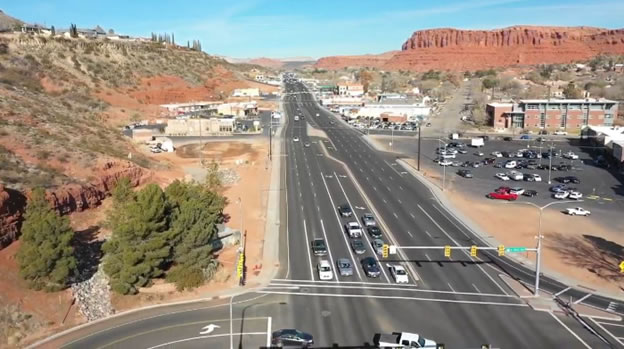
<point>451,287</point>
<point>607,323</point>
<point>428,258</point>
<point>387,187</point>
<point>204,337</point>
<point>582,299</point>
<point>331,259</point>
<point>333,204</point>
<point>426,232</point>
<point>269,321</point>
<point>395,215</point>
<point>476,288</point>
<point>411,214</point>
<point>569,330</point>
<point>400,202</point>
<point>562,291</point>
<point>384,200</point>
<point>617,339</point>
<point>410,233</point>
<point>347,295</point>
<point>400,187</point>
<point>308,247</point>
<point>375,188</point>
<point>464,251</point>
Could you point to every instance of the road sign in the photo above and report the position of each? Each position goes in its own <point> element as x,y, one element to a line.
<point>240,266</point>
<point>515,249</point>
<point>473,251</point>
<point>622,267</point>
<point>501,250</point>
<point>393,249</point>
<point>384,250</point>
<point>447,251</point>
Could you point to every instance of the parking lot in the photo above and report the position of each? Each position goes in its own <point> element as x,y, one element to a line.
<point>601,188</point>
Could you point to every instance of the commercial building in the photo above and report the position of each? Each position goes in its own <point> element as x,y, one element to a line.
<point>413,110</point>
<point>350,89</point>
<point>200,127</point>
<point>191,107</point>
<point>609,137</point>
<point>246,92</point>
<point>240,110</point>
<point>552,113</point>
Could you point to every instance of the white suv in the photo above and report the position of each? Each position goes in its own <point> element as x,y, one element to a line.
<point>354,229</point>
<point>324,270</point>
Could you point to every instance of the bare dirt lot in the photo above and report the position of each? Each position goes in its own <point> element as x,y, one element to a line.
<point>46,311</point>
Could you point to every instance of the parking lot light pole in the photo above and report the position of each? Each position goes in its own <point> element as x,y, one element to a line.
<point>538,257</point>
<point>444,170</point>
<point>550,156</point>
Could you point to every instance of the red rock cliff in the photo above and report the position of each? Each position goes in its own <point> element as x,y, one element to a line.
<point>69,198</point>
<point>454,49</point>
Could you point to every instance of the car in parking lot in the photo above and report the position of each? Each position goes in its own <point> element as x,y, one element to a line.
<point>462,151</point>
<point>502,176</point>
<point>530,193</point>
<point>465,173</point>
<point>507,139</point>
<point>306,144</point>
<point>479,153</point>
<point>499,165</point>
<point>577,211</point>
<point>502,196</point>
<point>345,210</point>
<point>516,190</point>
<point>324,270</point>
<point>399,274</point>
<point>561,194</point>
<point>377,245</point>
<point>532,177</point>
<point>497,154</point>
<point>515,175</point>
<point>575,195</point>
<point>570,155</point>
<point>358,246</point>
<point>558,188</point>
<point>445,163</point>
<point>374,232</point>
<point>291,337</point>
<point>344,267</point>
<point>568,179</point>
<point>369,220</point>
<point>296,139</point>
<point>511,164</point>
<point>371,267</point>
<point>353,229</point>
<point>319,247</point>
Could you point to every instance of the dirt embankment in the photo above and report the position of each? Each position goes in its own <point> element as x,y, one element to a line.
<point>461,50</point>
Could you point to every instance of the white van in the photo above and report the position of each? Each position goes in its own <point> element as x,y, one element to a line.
<point>511,164</point>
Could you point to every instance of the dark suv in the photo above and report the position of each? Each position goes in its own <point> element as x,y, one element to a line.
<point>319,247</point>
<point>371,268</point>
<point>374,232</point>
<point>345,210</point>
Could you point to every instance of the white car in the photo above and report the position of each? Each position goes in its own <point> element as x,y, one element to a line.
<point>399,274</point>
<point>497,154</point>
<point>447,156</point>
<point>516,190</point>
<point>561,195</point>
<point>511,164</point>
<point>537,178</point>
<point>479,153</point>
<point>560,133</point>
<point>515,175</point>
<point>502,176</point>
<point>324,270</point>
<point>570,155</point>
<point>445,163</point>
<point>354,229</point>
<point>296,139</point>
<point>575,195</point>
<point>577,211</point>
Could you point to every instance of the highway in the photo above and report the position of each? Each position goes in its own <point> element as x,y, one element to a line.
<point>459,301</point>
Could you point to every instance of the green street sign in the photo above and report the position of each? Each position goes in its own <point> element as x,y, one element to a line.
<point>515,249</point>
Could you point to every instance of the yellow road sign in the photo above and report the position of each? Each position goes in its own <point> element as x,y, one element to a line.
<point>447,251</point>
<point>622,267</point>
<point>501,250</point>
<point>384,250</point>
<point>473,251</point>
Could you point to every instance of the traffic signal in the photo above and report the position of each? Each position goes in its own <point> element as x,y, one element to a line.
<point>473,251</point>
<point>240,266</point>
<point>501,250</point>
<point>447,251</point>
<point>385,250</point>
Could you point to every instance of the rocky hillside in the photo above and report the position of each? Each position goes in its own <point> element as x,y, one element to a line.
<point>62,103</point>
<point>459,50</point>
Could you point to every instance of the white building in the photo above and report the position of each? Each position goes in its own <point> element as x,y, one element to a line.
<point>350,89</point>
<point>414,111</point>
<point>183,108</point>
<point>246,92</point>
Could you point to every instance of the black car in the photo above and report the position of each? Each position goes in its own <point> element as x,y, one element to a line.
<point>488,161</point>
<point>291,337</point>
<point>371,268</point>
<point>530,193</point>
<point>507,139</point>
<point>319,247</point>
<point>563,180</point>
<point>498,165</point>
<point>506,154</point>
<point>465,173</point>
<point>542,167</point>
<point>345,210</point>
<point>374,232</point>
<point>572,179</point>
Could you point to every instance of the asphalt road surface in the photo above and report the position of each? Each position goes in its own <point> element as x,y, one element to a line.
<point>459,301</point>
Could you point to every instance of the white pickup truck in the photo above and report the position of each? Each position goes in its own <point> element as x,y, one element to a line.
<point>404,340</point>
<point>577,211</point>
<point>477,142</point>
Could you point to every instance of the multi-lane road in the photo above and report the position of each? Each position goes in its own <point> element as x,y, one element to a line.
<point>460,301</point>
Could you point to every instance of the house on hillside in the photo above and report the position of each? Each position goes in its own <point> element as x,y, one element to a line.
<point>35,29</point>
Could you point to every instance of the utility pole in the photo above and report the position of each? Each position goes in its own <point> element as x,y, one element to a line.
<point>419,146</point>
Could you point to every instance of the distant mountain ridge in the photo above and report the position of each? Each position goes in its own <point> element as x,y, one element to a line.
<point>274,63</point>
<point>459,50</point>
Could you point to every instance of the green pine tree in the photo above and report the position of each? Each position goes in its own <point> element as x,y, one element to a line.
<point>195,216</point>
<point>46,256</point>
<point>138,250</point>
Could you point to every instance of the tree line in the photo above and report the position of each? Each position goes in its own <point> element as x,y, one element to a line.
<point>156,233</point>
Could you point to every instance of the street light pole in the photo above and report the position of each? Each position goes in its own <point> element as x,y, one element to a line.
<point>231,330</point>
<point>419,147</point>
<point>550,156</point>
<point>444,166</point>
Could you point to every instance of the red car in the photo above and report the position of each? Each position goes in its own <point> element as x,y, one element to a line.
<point>502,190</point>
<point>502,196</point>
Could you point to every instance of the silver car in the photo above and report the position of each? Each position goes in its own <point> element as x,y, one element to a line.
<point>377,246</point>
<point>369,220</point>
<point>344,267</point>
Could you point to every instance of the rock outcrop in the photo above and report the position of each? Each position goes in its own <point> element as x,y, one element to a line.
<point>68,198</point>
<point>459,50</point>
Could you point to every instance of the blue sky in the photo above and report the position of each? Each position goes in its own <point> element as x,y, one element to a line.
<point>280,28</point>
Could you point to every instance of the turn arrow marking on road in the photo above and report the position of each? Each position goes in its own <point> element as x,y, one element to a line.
<point>208,329</point>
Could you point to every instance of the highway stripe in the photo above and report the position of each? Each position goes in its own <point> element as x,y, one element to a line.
<point>205,337</point>
<point>582,299</point>
<point>333,204</point>
<point>562,291</point>
<point>617,339</point>
<point>569,330</point>
<point>350,295</point>
<point>308,247</point>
